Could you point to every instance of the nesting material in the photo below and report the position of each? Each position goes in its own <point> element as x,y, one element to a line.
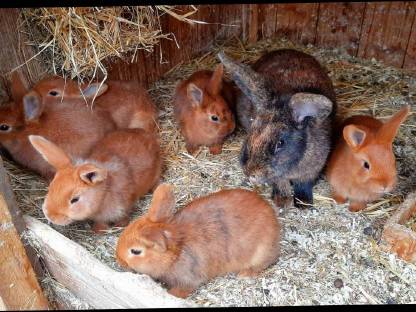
<point>74,41</point>
<point>321,245</point>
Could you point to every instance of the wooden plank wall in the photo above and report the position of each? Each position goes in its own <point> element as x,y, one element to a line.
<point>363,29</point>
<point>383,30</point>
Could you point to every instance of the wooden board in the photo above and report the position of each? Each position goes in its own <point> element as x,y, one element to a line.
<point>250,23</point>
<point>92,281</point>
<point>297,21</point>
<point>339,25</point>
<point>14,52</point>
<point>410,58</point>
<point>267,20</point>
<point>386,31</point>
<point>19,288</point>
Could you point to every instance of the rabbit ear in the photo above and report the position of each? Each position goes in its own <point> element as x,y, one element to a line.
<point>94,90</point>
<point>54,155</point>
<point>163,203</point>
<point>155,237</point>
<point>309,105</point>
<point>354,136</point>
<point>91,174</point>
<point>32,106</point>
<point>18,88</point>
<point>215,83</point>
<point>250,82</point>
<point>389,129</point>
<point>195,94</point>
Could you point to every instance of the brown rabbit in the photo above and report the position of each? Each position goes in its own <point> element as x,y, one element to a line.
<point>227,231</point>
<point>75,128</point>
<point>363,167</point>
<point>127,102</point>
<point>103,187</point>
<point>203,106</point>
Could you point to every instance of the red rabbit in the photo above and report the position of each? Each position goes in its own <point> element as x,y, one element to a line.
<point>203,107</point>
<point>363,167</point>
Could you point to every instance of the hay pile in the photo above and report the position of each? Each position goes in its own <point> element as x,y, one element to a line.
<point>329,255</point>
<point>75,41</point>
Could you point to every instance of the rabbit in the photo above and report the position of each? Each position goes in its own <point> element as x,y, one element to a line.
<point>103,187</point>
<point>232,230</point>
<point>362,166</point>
<point>127,102</point>
<point>287,106</point>
<point>203,108</point>
<point>75,128</point>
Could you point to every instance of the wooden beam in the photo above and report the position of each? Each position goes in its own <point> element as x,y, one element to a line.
<point>19,288</point>
<point>92,281</point>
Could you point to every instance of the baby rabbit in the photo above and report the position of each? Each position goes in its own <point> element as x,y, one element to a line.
<point>287,106</point>
<point>127,102</point>
<point>75,128</point>
<point>104,186</point>
<point>203,107</point>
<point>363,167</point>
<point>227,231</point>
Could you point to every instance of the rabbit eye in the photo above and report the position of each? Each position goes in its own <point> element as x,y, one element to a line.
<point>53,93</point>
<point>275,148</point>
<point>4,127</point>
<point>74,200</point>
<point>366,165</point>
<point>214,118</point>
<point>135,252</point>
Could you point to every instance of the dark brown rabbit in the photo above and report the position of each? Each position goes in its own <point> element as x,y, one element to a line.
<point>287,105</point>
<point>204,109</point>
<point>227,231</point>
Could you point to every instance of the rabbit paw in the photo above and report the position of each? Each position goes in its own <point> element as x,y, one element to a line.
<point>339,198</point>
<point>282,202</point>
<point>191,149</point>
<point>180,292</point>
<point>215,149</point>
<point>357,206</point>
<point>248,273</point>
<point>122,223</point>
<point>99,228</point>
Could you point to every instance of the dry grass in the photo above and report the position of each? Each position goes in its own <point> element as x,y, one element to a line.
<point>319,245</point>
<point>75,41</point>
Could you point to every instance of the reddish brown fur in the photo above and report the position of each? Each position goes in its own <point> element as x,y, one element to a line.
<point>75,128</point>
<point>346,173</point>
<point>195,120</point>
<point>126,165</point>
<point>227,231</point>
<point>127,102</point>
